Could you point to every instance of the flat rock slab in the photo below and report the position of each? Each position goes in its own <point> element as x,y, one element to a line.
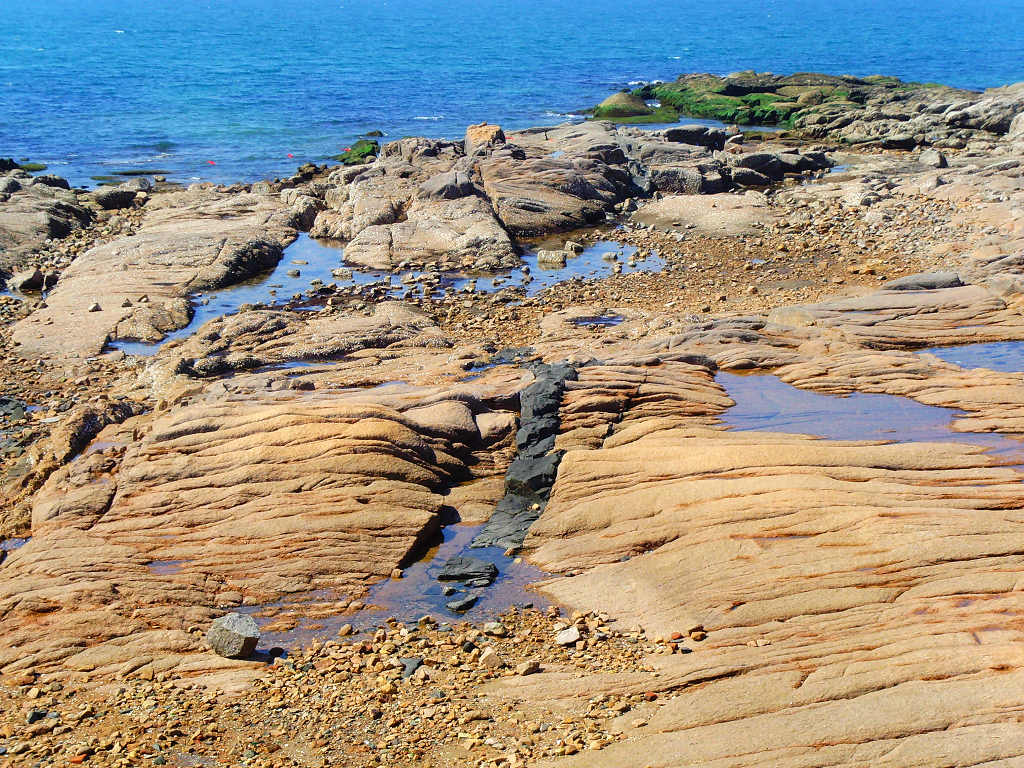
<point>460,568</point>
<point>187,242</point>
<point>722,215</point>
<point>841,585</point>
<point>925,281</point>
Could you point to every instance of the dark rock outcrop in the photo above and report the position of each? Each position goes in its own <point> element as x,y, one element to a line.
<point>531,474</point>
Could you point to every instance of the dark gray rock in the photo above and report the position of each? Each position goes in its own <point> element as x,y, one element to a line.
<point>29,280</point>
<point>531,477</point>
<point>509,522</point>
<point>678,180</point>
<point>410,665</point>
<point>746,177</point>
<point>697,135</point>
<point>924,281</point>
<point>798,162</point>
<point>49,180</point>
<point>764,163</point>
<point>899,141</point>
<point>138,183</point>
<point>114,198</point>
<point>463,604</point>
<point>460,568</point>
<point>532,473</point>
<point>233,636</point>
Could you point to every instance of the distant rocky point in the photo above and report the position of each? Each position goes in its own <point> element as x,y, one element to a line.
<point>870,110</point>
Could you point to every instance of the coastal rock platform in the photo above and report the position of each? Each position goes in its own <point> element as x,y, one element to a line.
<point>775,521</point>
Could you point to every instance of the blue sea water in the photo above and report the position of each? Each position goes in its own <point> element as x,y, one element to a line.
<point>98,86</point>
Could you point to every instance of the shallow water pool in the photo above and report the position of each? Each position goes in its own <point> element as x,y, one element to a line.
<point>321,260</point>
<point>419,593</point>
<point>1006,356</point>
<point>766,403</point>
<point>270,287</point>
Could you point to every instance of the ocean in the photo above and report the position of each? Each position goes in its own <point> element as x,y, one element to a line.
<point>240,90</point>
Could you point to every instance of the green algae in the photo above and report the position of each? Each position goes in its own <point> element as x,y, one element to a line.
<point>622,105</point>
<point>357,153</point>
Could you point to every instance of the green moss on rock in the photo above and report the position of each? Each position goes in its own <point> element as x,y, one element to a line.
<point>622,105</point>
<point>357,153</point>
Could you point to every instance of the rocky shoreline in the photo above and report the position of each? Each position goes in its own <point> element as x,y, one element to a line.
<point>527,332</point>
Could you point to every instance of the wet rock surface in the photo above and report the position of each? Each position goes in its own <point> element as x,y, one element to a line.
<point>532,472</point>
<point>229,238</point>
<point>461,568</point>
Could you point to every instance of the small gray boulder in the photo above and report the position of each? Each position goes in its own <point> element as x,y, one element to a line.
<point>551,258</point>
<point>925,281</point>
<point>233,636</point>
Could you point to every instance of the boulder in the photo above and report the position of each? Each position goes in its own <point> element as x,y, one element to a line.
<point>933,159</point>
<point>899,141</point>
<point>483,135</point>
<point>50,180</point>
<point>447,186</point>
<point>31,215</point>
<point>27,280</point>
<point>765,163</point>
<point>745,177</point>
<point>622,104</point>
<point>697,135</point>
<point>114,198</point>
<point>464,229</point>
<point>551,258</point>
<point>451,419</point>
<point>233,636</point>
<point>533,196</point>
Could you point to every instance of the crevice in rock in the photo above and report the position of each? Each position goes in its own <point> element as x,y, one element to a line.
<point>531,474</point>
